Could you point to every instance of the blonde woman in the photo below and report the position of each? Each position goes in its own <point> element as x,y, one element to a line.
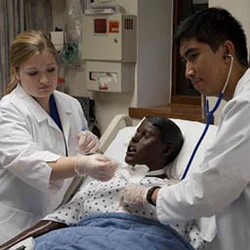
<point>39,137</point>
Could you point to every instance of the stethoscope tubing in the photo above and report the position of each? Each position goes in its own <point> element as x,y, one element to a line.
<point>210,115</point>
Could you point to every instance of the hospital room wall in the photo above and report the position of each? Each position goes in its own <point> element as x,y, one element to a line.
<point>240,9</point>
<point>152,69</point>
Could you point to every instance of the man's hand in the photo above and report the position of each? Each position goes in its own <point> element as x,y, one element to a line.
<point>134,196</point>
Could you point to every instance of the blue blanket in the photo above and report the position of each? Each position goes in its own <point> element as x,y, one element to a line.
<point>116,231</point>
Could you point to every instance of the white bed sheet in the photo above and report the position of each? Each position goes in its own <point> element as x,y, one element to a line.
<point>115,140</point>
<point>192,131</point>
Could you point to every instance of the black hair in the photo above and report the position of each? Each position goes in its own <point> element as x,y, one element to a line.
<point>170,133</point>
<point>214,26</point>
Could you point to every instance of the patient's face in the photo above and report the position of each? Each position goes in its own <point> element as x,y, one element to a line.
<point>145,147</point>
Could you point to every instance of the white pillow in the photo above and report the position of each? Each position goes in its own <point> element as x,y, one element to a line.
<point>118,147</point>
<point>191,131</point>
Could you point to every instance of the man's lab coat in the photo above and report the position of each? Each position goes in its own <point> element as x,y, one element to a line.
<point>221,185</point>
<point>28,139</point>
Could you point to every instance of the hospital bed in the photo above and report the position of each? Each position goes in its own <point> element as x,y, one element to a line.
<point>114,143</point>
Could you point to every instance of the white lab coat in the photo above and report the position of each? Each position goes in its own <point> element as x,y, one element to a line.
<point>221,185</point>
<point>28,139</point>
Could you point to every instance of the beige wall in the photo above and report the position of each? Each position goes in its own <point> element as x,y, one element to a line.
<point>240,9</point>
<point>152,70</point>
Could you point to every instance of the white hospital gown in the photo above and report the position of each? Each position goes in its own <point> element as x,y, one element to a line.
<point>103,197</point>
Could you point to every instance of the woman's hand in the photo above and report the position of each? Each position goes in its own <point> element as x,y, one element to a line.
<point>88,143</point>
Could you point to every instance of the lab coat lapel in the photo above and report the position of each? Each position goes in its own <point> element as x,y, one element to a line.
<point>35,108</point>
<point>41,115</point>
<point>64,111</point>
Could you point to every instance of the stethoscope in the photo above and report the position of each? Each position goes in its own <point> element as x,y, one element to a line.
<point>210,115</point>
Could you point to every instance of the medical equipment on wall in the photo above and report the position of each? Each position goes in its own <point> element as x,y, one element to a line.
<point>71,52</point>
<point>57,38</point>
<point>109,50</point>
<point>67,41</point>
<point>210,115</point>
<point>88,107</point>
<point>102,7</point>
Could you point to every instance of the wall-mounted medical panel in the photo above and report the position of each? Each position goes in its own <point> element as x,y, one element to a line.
<point>110,76</point>
<point>109,37</point>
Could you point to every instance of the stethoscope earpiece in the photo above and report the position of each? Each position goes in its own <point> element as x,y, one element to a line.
<point>227,55</point>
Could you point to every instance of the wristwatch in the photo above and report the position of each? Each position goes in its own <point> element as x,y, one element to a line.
<point>149,195</point>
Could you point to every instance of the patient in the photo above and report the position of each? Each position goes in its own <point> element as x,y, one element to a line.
<point>156,143</point>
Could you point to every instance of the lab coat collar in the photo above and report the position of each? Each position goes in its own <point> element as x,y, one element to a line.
<point>41,115</point>
<point>35,108</point>
<point>241,85</point>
